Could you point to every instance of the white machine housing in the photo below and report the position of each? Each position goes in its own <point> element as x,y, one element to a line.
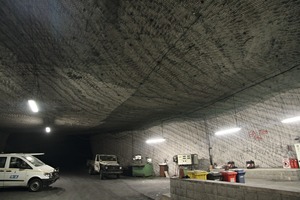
<point>184,159</point>
<point>297,148</point>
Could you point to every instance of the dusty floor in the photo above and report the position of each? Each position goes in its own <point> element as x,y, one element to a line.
<point>81,186</point>
<point>78,185</point>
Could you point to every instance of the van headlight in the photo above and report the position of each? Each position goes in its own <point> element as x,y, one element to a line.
<point>120,167</point>
<point>48,175</point>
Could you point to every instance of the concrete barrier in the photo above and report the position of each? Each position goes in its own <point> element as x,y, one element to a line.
<point>191,189</point>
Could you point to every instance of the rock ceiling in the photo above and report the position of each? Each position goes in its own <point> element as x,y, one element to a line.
<point>106,65</point>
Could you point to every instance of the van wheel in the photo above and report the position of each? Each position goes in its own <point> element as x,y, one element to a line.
<point>35,185</point>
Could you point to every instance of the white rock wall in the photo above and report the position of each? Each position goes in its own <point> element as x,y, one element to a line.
<point>263,137</point>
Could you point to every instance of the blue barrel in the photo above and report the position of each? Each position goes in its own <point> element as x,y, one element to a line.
<point>240,177</point>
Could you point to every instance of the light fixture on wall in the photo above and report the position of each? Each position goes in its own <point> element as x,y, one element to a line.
<point>155,140</point>
<point>33,106</point>
<point>227,131</point>
<point>230,130</point>
<point>291,120</point>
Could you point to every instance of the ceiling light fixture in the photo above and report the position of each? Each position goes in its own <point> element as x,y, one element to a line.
<point>48,129</point>
<point>291,120</point>
<point>227,131</point>
<point>33,106</point>
<point>155,140</point>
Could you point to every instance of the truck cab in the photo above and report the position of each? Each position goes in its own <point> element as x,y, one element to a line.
<point>26,170</point>
<point>105,165</point>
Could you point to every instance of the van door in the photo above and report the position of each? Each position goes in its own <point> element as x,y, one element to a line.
<point>2,169</point>
<point>15,175</point>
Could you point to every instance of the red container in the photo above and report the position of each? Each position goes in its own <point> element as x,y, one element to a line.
<point>229,176</point>
<point>295,163</point>
<point>292,163</point>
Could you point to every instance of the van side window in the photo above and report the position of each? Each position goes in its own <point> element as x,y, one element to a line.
<point>2,162</point>
<point>13,162</point>
<point>18,163</point>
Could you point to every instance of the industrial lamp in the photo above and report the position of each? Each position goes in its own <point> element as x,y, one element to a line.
<point>33,106</point>
<point>155,140</point>
<point>227,131</point>
<point>48,129</point>
<point>290,120</point>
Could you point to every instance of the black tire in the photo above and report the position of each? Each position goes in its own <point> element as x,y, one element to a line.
<point>101,175</point>
<point>35,185</point>
<point>91,171</point>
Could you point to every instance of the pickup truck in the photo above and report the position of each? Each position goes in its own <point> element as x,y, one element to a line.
<point>105,165</point>
<point>19,169</point>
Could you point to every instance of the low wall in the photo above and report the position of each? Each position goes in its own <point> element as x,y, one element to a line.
<point>189,189</point>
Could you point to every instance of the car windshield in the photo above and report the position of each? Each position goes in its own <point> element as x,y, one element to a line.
<point>108,158</point>
<point>33,160</point>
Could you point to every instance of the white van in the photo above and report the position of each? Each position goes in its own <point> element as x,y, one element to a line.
<point>18,169</point>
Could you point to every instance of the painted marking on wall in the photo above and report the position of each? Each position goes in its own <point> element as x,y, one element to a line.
<point>257,135</point>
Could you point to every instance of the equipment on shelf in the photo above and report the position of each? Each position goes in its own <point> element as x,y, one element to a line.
<point>186,159</point>
<point>185,162</point>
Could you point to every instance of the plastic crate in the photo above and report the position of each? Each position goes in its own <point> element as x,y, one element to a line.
<point>191,174</point>
<point>215,176</point>
<point>202,175</point>
<point>229,176</point>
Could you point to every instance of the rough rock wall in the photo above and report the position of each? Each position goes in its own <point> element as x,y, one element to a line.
<point>181,137</point>
<point>263,137</point>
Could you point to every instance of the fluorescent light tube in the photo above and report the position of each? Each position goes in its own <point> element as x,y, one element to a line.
<point>290,120</point>
<point>48,129</point>
<point>231,130</point>
<point>156,140</point>
<point>33,106</point>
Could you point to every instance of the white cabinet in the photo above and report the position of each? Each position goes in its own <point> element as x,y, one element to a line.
<point>297,147</point>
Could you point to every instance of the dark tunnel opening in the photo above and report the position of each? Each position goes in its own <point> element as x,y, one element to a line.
<point>68,152</point>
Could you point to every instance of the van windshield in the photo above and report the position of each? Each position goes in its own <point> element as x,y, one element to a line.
<point>33,160</point>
